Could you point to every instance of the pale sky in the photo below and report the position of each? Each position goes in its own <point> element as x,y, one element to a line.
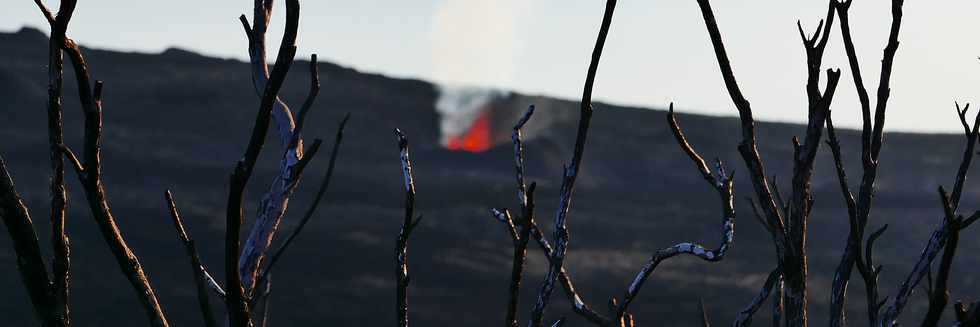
<point>657,52</point>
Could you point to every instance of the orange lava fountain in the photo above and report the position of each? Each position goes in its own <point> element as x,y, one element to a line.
<point>476,139</point>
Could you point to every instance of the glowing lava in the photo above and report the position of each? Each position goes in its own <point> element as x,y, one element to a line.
<point>476,138</point>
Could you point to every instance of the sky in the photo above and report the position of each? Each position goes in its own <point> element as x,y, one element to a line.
<point>657,52</point>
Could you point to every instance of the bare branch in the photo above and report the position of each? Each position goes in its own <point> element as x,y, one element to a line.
<point>196,266</point>
<point>519,156</point>
<point>777,303</point>
<point>75,163</point>
<point>834,145</point>
<point>310,98</point>
<point>965,162</point>
<point>236,302</point>
<point>929,253</point>
<point>697,250</point>
<point>274,201</point>
<point>939,296</point>
<point>682,141</point>
<point>744,317</point>
<point>30,262</point>
<point>969,221</point>
<point>962,115</point>
<point>91,99</point>
<point>61,261</point>
<point>723,184</point>
<point>520,236</point>
<point>45,12</point>
<point>570,174</point>
<point>871,140</point>
<point>869,250</point>
<point>884,81</point>
<point>408,225</point>
<point>747,148</point>
<point>312,209</point>
<point>246,26</point>
<point>579,306</point>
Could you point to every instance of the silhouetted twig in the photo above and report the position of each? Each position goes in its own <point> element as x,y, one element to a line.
<point>309,212</point>
<point>89,171</point>
<point>200,282</point>
<point>30,261</point>
<point>744,317</point>
<point>408,225</point>
<point>570,174</point>
<point>871,140</point>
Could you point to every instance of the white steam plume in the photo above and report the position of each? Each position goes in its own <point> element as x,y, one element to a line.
<point>459,107</point>
<point>474,42</point>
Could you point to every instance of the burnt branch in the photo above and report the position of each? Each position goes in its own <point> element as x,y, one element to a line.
<point>884,80</point>
<point>574,298</point>
<point>790,227</point>
<point>91,181</point>
<point>255,33</point>
<point>324,185</point>
<point>682,142</point>
<point>197,268</point>
<point>30,261</point>
<point>965,162</point>
<point>969,221</point>
<point>408,225</point>
<point>570,173</point>
<point>273,204</point>
<point>936,243</point>
<point>520,235</point>
<point>520,231</point>
<point>517,138</point>
<point>945,238</point>
<point>54,306</point>
<point>939,294</point>
<point>834,144</point>
<point>724,186</point>
<point>871,141</point>
<point>61,261</point>
<point>262,309</point>
<point>236,300</point>
<point>747,148</point>
<point>962,115</point>
<point>310,98</point>
<point>744,317</point>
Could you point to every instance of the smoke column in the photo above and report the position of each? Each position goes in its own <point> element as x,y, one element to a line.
<point>473,43</point>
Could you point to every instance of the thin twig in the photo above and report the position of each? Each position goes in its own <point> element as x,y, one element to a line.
<point>311,210</point>
<point>570,174</point>
<point>744,317</point>
<point>408,225</point>
<point>197,267</point>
